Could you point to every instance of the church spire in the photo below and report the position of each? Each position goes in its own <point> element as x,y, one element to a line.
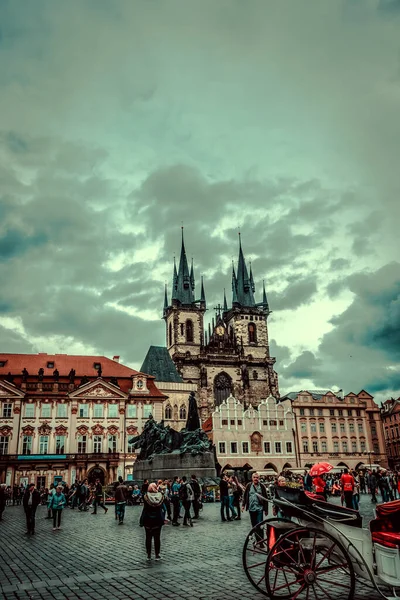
<point>165,300</point>
<point>174,282</point>
<point>225,302</point>
<point>184,279</point>
<point>202,294</point>
<point>265,300</point>
<point>234,286</point>
<point>192,275</point>
<point>253,287</point>
<point>244,285</point>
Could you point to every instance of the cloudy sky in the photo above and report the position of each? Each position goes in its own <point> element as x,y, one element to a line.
<point>121,119</point>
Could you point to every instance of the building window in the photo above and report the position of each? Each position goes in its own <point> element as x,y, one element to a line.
<point>82,443</point>
<point>252,333</point>
<point>362,445</point>
<point>240,422</point>
<point>303,427</point>
<point>360,428</point>
<point>342,428</point>
<point>265,422</point>
<point>278,447</point>
<point>147,410</point>
<point>170,334</point>
<point>44,444</point>
<point>97,443</point>
<point>182,412</point>
<point>344,446</point>
<point>96,366</point>
<point>60,444</point>
<point>83,411</point>
<point>168,412</point>
<point>131,449</point>
<point>350,412</point>
<point>332,412</point>
<point>132,411</point>
<point>61,410</point>
<point>232,421</point>
<point>305,446</point>
<point>189,331</point>
<point>313,427</point>
<point>46,411</point>
<point>289,447</point>
<point>302,412</point>
<point>222,447</point>
<point>311,412</point>
<point>324,446</point>
<point>354,446</point>
<point>334,428</point>
<point>351,427</point>
<point>336,446</point>
<point>112,411</point>
<point>281,423</point>
<point>98,411</point>
<point>358,412</point>
<point>376,448</point>
<point>112,443</point>
<point>234,448</point>
<point>322,427</point>
<point>320,412</point>
<point>340,411</point>
<point>245,447</point>
<point>30,411</point>
<point>373,430</point>
<point>224,421</point>
<point>267,447</point>
<point>272,423</point>
<point>7,410</point>
<point>50,365</point>
<point>315,446</point>
<point>3,444</point>
<point>27,444</point>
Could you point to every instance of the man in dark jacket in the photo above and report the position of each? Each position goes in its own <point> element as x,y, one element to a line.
<point>30,502</point>
<point>253,502</point>
<point>98,499</point>
<point>197,495</point>
<point>121,495</point>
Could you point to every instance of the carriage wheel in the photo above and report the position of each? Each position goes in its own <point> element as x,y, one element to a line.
<point>309,564</point>
<point>256,548</point>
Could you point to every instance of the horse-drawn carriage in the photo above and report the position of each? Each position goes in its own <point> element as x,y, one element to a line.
<point>314,550</point>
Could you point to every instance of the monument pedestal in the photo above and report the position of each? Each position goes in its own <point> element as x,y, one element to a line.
<point>166,466</point>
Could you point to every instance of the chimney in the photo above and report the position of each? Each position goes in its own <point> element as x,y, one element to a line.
<point>116,358</point>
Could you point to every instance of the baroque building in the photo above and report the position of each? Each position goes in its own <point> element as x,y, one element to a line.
<point>68,417</point>
<point>344,431</point>
<point>232,356</point>
<point>390,413</point>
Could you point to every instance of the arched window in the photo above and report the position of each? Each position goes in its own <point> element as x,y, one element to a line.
<point>176,413</point>
<point>252,333</point>
<point>168,412</point>
<point>222,387</point>
<point>189,331</point>
<point>182,412</point>
<point>170,334</point>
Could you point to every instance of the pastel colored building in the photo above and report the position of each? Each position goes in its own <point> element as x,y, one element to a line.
<point>390,413</point>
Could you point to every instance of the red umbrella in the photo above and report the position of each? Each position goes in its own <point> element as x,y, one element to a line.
<point>320,469</point>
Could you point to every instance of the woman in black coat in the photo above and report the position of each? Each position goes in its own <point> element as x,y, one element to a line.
<point>152,519</point>
<point>30,502</point>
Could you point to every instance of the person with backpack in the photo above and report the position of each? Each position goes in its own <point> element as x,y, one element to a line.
<point>186,496</point>
<point>152,519</point>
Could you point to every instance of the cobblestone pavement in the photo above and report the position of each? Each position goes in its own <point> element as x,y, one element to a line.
<point>94,558</point>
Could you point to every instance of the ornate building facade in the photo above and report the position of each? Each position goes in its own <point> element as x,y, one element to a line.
<point>346,432</point>
<point>66,417</point>
<point>390,413</point>
<point>232,356</point>
<point>261,439</point>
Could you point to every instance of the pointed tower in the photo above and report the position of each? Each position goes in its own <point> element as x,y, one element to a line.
<point>244,284</point>
<point>184,317</point>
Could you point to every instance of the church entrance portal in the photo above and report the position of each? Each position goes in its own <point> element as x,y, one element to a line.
<point>96,473</point>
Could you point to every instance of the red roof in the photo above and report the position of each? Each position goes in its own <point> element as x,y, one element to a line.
<point>83,365</point>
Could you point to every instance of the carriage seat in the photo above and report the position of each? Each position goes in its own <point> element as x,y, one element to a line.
<point>386,538</point>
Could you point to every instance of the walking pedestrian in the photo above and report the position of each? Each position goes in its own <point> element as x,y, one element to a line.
<point>152,519</point>
<point>98,498</point>
<point>196,496</point>
<point>3,499</point>
<point>253,502</point>
<point>30,501</point>
<point>237,495</point>
<point>347,482</point>
<point>121,495</point>
<point>224,498</point>
<point>57,503</point>
<point>51,493</point>
<point>186,496</point>
<point>175,500</point>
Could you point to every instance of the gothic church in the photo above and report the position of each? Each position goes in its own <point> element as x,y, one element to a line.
<point>232,356</point>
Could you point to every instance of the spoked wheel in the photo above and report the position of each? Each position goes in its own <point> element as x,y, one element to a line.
<point>309,564</point>
<point>256,548</point>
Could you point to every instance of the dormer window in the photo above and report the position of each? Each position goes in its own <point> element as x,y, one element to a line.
<point>139,384</point>
<point>97,366</point>
<point>3,363</point>
<point>50,365</point>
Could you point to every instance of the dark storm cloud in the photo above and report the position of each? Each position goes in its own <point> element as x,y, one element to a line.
<point>296,294</point>
<point>15,242</point>
<point>305,366</point>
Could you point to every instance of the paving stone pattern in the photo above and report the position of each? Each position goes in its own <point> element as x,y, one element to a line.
<point>92,557</point>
